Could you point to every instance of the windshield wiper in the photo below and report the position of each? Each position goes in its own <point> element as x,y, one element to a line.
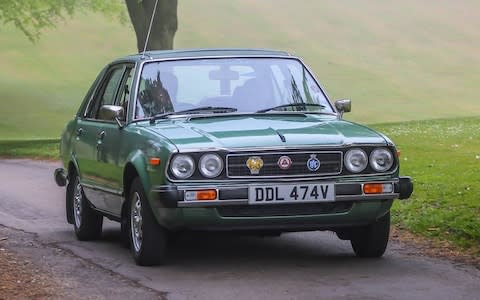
<point>212,109</point>
<point>291,105</point>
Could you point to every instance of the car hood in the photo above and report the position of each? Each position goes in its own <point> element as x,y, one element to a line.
<point>267,130</point>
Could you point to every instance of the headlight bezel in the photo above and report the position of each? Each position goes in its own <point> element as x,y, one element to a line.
<point>368,154</point>
<point>373,162</point>
<point>175,172</point>
<point>347,160</point>
<point>204,170</point>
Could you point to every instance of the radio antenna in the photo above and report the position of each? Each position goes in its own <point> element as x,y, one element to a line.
<point>149,29</point>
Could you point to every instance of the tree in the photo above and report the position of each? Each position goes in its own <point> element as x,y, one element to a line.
<point>34,16</point>
<point>164,26</point>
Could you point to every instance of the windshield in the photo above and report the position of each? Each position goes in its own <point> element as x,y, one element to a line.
<point>244,84</point>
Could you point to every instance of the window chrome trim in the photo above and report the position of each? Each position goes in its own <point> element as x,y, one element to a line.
<point>154,60</point>
<point>102,81</point>
<point>94,92</point>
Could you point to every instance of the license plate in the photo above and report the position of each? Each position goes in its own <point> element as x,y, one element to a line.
<point>291,193</point>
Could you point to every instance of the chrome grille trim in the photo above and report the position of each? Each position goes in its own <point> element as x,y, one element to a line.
<point>269,154</point>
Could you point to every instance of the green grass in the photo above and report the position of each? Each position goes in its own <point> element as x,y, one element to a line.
<point>443,158</point>
<point>418,59</point>
<point>37,149</point>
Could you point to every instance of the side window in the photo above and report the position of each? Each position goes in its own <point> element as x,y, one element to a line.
<point>157,92</point>
<point>125,90</point>
<point>106,94</point>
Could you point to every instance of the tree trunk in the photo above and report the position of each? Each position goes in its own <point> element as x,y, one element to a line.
<point>164,24</point>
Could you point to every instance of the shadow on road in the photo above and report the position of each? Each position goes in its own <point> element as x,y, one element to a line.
<point>240,250</point>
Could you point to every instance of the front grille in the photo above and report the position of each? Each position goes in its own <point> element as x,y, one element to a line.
<point>330,164</point>
<point>284,209</point>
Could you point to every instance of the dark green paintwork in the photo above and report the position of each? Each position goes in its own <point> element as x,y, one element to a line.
<point>246,131</point>
<point>104,164</point>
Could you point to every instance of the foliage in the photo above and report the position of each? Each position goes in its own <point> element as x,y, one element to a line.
<point>33,16</point>
<point>443,158</point>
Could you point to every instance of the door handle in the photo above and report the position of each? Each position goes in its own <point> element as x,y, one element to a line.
<point>79,132</point>
<point>101,135</point>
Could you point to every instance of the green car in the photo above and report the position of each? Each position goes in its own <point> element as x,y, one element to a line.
<point>237,140</point>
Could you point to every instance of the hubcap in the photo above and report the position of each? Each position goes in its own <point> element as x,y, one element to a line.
<point>136,222</point>
<point>77,203</point>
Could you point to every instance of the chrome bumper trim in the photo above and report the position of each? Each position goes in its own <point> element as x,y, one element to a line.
<point>181,189</point>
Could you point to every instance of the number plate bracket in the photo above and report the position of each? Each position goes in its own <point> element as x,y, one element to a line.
<point>291,193</point>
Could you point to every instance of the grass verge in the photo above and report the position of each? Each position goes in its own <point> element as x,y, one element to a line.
<point>37,149</point>
<point>442,156</point>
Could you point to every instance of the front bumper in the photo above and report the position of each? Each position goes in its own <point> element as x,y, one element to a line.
<point>172,196</point>
<point>235,219</point>
<point>232,211</point>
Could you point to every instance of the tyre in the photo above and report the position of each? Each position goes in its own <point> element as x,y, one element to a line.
<point>124,229</point>
<point>86,221</point>
<point>269,234</point>
<point>148,240</point>
<point>372,240</point>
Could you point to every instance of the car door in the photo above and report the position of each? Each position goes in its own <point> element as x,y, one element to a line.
<point>112,149</point>
<point>95,173</point>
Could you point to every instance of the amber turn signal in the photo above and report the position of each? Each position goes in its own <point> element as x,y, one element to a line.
<point>373,188</point>
<point>207,195</point>
<point>377,188</point>
<point>155,161</point>
<point>201,195</point>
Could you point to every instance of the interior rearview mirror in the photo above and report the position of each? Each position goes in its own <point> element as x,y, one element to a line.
<point>343,106</point>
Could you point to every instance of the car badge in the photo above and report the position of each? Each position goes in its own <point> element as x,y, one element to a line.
<point>284,162</point>
<point>254,164</point>
<point>313,164</point>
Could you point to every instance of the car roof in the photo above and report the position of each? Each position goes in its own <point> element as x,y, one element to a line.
<point>198,53</point>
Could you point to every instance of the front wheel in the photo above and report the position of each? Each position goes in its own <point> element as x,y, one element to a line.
<point>148,240</point>
<point>87,222</point>
<point>372,240</point>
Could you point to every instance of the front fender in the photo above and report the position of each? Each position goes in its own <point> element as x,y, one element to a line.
<point>139,161</point>
<point>74,162</point>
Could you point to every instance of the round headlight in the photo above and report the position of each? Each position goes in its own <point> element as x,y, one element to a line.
<point>381,159</point>
<point>182,166</point>
<point>210,165</point>
<point>356,160</point>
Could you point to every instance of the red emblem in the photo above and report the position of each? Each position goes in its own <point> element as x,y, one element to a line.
<point>284,162</point>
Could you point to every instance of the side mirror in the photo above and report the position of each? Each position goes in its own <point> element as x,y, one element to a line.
<point>343,106</point>
<point>112,113</point>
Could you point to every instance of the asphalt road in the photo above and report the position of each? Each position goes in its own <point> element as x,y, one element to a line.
<point>313,265</point>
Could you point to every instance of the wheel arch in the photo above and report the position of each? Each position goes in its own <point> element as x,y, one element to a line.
<point>135,167</point>
<point>72,166</point>
<point>71,170</point>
